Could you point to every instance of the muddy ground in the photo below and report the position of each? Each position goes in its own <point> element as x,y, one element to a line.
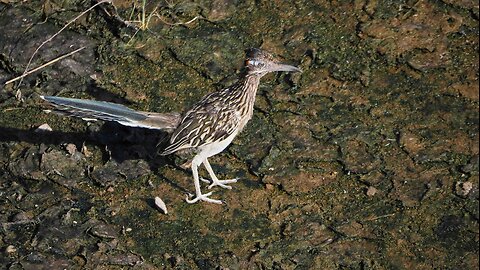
<point>366,160</point>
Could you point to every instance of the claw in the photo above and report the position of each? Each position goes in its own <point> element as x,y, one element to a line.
<point>222,183</point>
<point>205,180</point>
<point>203,197</point>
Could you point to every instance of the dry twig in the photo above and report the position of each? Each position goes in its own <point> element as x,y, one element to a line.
<point>26,72</point>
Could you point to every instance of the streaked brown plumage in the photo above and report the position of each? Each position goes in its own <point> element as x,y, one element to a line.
<point>208,127</point>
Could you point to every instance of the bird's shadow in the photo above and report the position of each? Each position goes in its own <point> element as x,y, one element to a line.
<point>118,143</point>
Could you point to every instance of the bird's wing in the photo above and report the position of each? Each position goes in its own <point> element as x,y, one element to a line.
<point>203,125</point>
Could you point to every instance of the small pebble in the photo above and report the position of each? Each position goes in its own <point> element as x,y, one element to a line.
<point>10,249</point>
<point>269,186</point>
<point>71,148</point>
<point>85,151</point>
<point>104,231</point>
<point>462,189</point>
<point>161,205</point>
<point>43,128</point>
<point>22,216</point>
<point>371,191</point>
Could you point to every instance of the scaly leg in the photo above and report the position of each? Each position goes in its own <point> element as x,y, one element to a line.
<point>198,192</point>
<point>215,181</point>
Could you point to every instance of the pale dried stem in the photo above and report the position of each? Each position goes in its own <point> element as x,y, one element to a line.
<point>44,65</point>
<point>53,36</point>
<point>179,23</point>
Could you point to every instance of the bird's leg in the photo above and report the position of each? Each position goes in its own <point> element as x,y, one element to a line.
<point>215,181</point>
<point>198,193</point>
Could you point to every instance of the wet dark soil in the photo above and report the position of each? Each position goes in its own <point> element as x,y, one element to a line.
<point>366,160</point>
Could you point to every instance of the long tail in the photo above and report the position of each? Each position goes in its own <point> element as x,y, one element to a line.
<point>92,110</point>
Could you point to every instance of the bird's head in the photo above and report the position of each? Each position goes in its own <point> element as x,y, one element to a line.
<point>260,63</point>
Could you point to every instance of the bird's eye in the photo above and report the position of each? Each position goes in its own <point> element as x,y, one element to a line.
<point>254,62</point>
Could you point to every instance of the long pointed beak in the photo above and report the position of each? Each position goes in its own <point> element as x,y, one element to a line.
<point>284,67</point>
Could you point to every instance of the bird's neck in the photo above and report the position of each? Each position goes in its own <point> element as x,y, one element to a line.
<point>250,84</point>
<point>244,96</point>
<point>246,89</point>
<point>243,91</point>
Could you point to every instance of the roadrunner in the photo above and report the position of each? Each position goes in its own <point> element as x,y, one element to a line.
<point>207,128</point>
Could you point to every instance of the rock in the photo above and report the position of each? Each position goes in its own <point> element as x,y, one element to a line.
<point>63,169</point>
<point>10,249</point>
<point>221,9</point>
<point>411,142</point>
<point>371,191</point>
<point>65,73</point>
<point>71,148</point>
<point>126,259</point>
<point>354,229</point>
<point>103,230</point>
<point>43,128</point>
<point>27,165</point>
<point>161,205</point>
<point>23,216</point>
<point>373,178</point>
<point>462,189</point>
<point>113,173</point>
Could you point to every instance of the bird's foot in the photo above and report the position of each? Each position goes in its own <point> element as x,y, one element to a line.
<point>203,197</point>
<point>222,183</point>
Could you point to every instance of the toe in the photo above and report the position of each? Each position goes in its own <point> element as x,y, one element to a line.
<point>194,200</point>
<point>220,185</point>
<point>223,183</point>
<point>205,180</point>
<point>213,201</point>
<point>203,197</point>
<point>229,181</point>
